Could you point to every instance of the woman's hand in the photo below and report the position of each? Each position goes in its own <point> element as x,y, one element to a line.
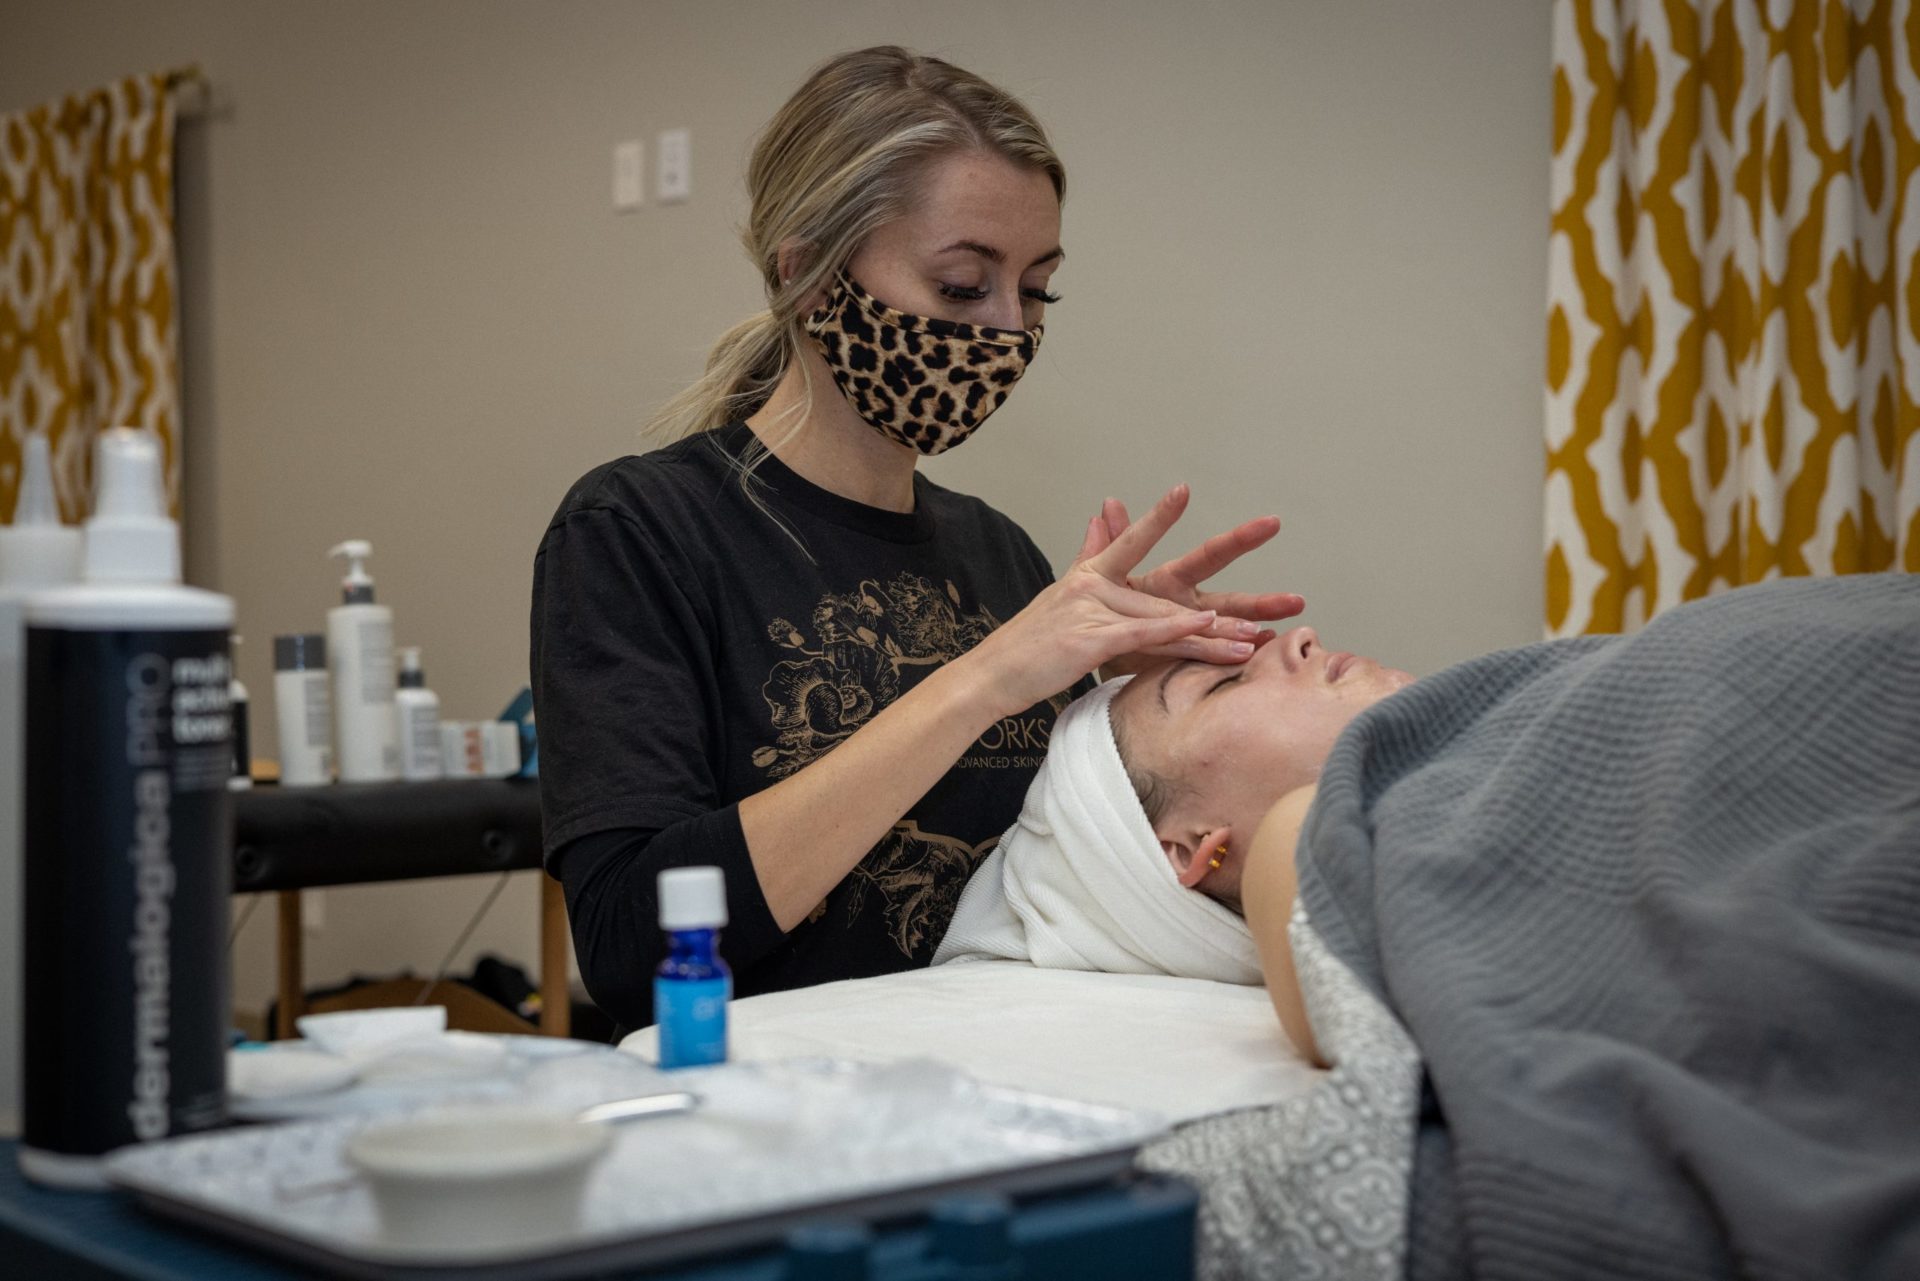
<point>1093,615</point>
<point>1179,582</point>
<point>809,829</point>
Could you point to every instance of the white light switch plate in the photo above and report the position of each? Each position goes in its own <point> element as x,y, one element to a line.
<point>674,182</point>
<point>629,163</point>
<point>313,911</point>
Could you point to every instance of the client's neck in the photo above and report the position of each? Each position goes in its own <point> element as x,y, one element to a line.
<point>1268,888</point>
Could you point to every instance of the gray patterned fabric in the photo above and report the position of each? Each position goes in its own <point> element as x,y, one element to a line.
<point>1316,1187</point>
<point>1650,909</point>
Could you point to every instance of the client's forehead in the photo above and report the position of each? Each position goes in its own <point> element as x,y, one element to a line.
<point>1138,690</point>
<point>1135,711</point>
<point>1148,693</point>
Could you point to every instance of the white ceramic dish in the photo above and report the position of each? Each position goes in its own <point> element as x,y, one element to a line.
<point>448,1056</point>
<point>270,1074</point>
<point>455,1067</point>
<point>478,1178</point>
<point>350,1033</point>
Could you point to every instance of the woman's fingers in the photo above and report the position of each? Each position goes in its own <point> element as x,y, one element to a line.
<point>1220,551</point>
<point>1251,605</point>
<point>1120,599</point>
<point>1150,634</point>
<point>1133,544</point>
<point>1103,529</point>
<point>1160,607</point>
<point>1207,649</point>
<point>1095,542</point>
<point>1229,623</point>
<point>1157,628</point>
<point>1201,644</point>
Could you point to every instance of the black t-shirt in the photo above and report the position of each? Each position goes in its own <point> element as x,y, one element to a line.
<point>690,649</point>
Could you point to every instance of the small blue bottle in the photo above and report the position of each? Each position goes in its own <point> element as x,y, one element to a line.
<point>693,985</point>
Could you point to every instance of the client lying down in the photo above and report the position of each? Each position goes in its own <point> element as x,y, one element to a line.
<point>1613,943</point>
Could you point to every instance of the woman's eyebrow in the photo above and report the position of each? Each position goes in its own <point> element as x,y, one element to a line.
<point>1055,254</point>
<point>1173,669</point>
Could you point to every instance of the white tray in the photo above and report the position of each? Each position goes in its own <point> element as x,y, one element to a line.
<point>779,1143</point>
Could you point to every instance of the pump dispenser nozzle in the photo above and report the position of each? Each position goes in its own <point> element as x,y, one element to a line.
<point>37,550</point>
<point>357,587</point>
<point>130,538</point>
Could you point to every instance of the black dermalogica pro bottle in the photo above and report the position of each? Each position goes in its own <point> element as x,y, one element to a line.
<point>128,825</point>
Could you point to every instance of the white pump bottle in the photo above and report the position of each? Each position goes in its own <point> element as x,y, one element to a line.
<point>36,552</point>
<point>360,654</point>
<point>419,719</point>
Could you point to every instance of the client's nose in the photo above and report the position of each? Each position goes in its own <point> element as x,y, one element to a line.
<point>1296,646</point>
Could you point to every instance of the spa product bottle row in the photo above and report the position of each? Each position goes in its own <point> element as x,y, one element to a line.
<point>121,735</point>
<point>343,704</point>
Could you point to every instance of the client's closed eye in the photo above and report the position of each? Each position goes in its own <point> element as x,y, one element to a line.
<point>1222,684</point>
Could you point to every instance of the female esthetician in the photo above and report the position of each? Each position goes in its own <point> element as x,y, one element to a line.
<point>773,645</point>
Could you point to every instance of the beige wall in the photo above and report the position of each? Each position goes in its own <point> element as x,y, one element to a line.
<point>1307,249</point>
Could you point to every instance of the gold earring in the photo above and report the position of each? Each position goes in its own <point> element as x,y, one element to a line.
<point>1219,853</point>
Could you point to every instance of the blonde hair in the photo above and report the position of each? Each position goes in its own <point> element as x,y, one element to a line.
<point>841,158</point>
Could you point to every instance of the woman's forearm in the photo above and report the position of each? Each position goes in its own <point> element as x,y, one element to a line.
<point>806,832</point>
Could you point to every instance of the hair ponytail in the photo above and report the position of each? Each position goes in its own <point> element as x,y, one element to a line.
<point>743,368</point>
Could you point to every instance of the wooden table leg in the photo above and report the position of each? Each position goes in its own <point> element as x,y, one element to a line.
<point>291,979</point>
<point>556,1000</point>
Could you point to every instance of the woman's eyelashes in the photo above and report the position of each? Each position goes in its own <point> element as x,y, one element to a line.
<point>970,293</point>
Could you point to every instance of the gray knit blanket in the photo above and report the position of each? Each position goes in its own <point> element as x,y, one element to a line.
<point>1313,1188</point>
<point>1649,907</point>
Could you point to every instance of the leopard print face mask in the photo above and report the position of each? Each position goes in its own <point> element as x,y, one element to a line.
<point>924,382</point>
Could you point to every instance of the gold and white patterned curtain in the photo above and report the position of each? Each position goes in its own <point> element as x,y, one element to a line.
<point>1733,336</point>
<point>88,335</point>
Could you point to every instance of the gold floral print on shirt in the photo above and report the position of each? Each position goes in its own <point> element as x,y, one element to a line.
<point>850,660</point>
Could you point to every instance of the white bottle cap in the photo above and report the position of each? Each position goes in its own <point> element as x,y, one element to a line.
<point>693,898</point>
<point>357,587</point>
<point>411,677</point>
<point>37,550</point>
<point>130,538</point>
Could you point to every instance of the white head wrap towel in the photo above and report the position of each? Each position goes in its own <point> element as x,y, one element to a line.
<point>1080,881</point>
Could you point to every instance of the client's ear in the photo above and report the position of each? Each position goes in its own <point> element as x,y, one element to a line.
<point>1194,854</point>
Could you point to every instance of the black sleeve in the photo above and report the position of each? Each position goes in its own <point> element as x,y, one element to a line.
<point>624,681</point>
<point>614,910</point>
<point>624,687</point>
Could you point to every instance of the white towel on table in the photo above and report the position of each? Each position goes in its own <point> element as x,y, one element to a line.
<point>1184,1048</point>
<point>1079,882</point>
